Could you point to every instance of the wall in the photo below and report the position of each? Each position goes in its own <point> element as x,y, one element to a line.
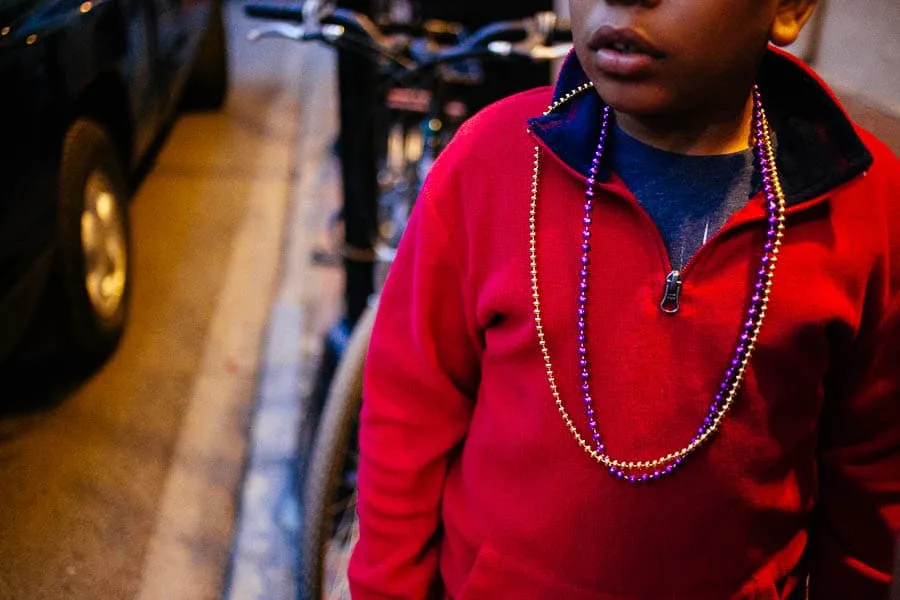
<point>859,50</point>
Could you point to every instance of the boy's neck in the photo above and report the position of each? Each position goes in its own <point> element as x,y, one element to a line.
<point>702,133</point>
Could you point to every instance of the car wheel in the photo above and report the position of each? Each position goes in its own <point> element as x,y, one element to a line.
<point>94,257</point>
<point>207,85</point>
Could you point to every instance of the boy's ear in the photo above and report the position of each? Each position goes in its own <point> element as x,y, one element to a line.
<point>789,20</point>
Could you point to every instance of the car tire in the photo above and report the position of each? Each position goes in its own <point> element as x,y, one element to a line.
<point>94,259</point>
<point>207,85</point>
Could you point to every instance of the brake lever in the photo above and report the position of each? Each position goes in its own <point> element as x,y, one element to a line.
<point>535,52</point>
<point>537,33</point>
<point>278,30</point>
<point>556,51</point>
<point>297,33</point>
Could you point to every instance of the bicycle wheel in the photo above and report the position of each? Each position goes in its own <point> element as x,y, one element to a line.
<point>329,522</point>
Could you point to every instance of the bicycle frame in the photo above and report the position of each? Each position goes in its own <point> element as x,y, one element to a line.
<point>418,88</point>
<point>399,63</point>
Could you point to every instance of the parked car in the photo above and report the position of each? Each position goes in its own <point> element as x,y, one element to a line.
<point>86,90</point>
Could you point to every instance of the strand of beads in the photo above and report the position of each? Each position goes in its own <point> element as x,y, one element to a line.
<point>651,470</point>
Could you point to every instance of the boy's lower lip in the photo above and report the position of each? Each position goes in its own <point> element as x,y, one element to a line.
<point>624,64</point>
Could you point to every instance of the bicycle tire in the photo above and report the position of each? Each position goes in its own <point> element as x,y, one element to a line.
<point>334,447</point>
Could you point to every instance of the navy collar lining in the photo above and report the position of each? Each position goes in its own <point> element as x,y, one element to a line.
<point>818,147</point>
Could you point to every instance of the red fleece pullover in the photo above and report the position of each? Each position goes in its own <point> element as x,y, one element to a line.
<point>471,484</point>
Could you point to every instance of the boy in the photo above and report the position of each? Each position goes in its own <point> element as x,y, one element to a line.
<point>648,347</point>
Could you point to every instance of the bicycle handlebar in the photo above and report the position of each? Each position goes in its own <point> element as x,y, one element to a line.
<point>362,35</point>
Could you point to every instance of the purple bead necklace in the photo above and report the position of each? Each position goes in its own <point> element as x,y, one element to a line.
<point>651,470</point>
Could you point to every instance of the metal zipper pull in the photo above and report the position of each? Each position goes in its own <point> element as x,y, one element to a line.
<point>671,293</point>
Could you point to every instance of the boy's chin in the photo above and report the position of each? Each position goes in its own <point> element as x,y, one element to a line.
<point>636,99</point>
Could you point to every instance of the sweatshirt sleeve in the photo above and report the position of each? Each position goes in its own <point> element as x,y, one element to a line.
<point>420,383</point>
<point>858,517</point>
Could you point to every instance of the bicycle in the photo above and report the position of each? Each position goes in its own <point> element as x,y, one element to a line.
<point>423,115</point>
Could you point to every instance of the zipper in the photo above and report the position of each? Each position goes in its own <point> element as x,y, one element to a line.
<point>671,298</point>
<point>674,279</point>
<point>671,305</point>
<point>670,302</point>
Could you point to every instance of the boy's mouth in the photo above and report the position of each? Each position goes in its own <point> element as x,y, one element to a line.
<point>627,48</point>
<point>623,52</point>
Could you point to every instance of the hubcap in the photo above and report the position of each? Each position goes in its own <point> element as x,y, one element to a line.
<point>104,246</point>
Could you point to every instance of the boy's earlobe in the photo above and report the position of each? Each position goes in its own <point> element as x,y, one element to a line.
<point>789,21</point>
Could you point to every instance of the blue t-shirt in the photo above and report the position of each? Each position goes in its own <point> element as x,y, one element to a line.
<point>688,197</point>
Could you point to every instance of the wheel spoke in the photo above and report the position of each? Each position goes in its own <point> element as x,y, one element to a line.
<point>337,555</point>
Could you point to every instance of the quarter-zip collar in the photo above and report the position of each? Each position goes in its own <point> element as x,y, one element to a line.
<point>818,147</point>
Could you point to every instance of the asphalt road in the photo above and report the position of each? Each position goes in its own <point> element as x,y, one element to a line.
<point>126,485</point>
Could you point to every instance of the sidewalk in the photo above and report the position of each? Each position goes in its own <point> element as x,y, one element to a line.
<point>264,553</point>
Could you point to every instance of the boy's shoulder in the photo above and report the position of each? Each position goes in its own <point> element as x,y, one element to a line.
<point>508,115</point>
<point>883,158</point>
<point>880,188</point>
<point>882,178</point>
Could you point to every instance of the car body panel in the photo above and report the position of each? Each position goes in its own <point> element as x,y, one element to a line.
<point>121,62</point>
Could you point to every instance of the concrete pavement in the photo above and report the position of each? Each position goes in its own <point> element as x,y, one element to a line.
<point>307,301</point>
